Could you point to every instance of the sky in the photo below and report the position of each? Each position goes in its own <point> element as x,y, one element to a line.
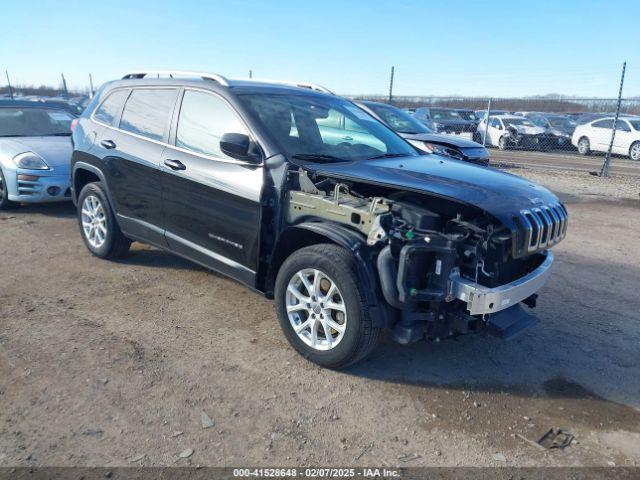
<point>471,48</point>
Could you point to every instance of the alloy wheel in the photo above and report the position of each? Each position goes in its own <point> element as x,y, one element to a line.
<point>316,309</point>
<point>94,221</point>
<point>583,146</point>
<point>635,151</point>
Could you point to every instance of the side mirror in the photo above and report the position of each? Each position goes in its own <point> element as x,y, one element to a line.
<point>239,146</point>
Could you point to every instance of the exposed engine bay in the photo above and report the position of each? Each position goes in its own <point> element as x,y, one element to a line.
<point>434,257</point>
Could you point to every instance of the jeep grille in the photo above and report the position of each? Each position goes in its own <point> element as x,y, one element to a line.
<point>543,226</point>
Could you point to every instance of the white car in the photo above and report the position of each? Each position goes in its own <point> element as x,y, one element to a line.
<point>506,131</point>
<point>595,136</point>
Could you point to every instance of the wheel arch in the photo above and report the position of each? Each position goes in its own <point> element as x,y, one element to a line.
<point>313,233</point>
<point>84,173</point>
<point>635,142</point>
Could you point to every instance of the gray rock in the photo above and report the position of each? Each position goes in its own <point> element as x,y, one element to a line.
<point>185,453</point>
<point>206,421</point>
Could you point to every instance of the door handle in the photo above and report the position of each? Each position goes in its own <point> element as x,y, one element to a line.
<point>175,164</point>
<point>108,144</point>
<point>347,137</point>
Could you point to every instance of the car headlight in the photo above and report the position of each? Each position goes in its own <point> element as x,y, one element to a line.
<point>30,161</point>
<point>442,150</point>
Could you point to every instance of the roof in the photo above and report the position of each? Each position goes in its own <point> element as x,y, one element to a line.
<point>165,77</point>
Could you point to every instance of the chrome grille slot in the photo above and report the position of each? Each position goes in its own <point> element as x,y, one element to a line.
<point>544,226</point>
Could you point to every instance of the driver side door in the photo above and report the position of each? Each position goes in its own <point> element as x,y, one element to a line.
<point>211,202</point>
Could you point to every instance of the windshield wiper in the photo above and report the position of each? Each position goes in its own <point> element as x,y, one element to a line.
<point>388,155</point>
<point>59,134</point>
<point>318,157</point>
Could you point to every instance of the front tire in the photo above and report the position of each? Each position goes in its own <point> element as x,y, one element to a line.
<point>502,143</point>
<point>100,231</point>
<point>584,147</point>
<point>321,308</point>
<point>634,151</point>
<point>5,203</point>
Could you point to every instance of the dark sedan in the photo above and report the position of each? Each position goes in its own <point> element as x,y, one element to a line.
<point>423,137</point>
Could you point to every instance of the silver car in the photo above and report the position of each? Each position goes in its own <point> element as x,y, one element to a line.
<point>35,149</point>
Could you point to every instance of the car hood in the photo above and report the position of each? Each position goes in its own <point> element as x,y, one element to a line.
<point>561,132</point>
<point>56,151</point>
<point>456,141</point>
<point>526,130</point>
<point>500,194</point>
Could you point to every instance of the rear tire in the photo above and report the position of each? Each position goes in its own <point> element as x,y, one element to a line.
<point>354,336</point>
<point>634,151</point>
<point>5,203</point>
<point>100,231</point>
<point>584,147</point>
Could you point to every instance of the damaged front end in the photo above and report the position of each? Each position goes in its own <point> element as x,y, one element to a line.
<point>444,268</point>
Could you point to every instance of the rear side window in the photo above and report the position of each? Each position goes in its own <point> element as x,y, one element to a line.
<point>604,124</point>
<point>147,112</point>
<point>109,109</point>
<point>204,118</point>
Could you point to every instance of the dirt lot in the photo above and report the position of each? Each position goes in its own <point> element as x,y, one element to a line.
<point>113,363</point>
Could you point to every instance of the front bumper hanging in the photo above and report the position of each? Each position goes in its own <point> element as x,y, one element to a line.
<point>483,300</point>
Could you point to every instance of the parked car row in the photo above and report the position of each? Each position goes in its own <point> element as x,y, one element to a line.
<point>530,130</point>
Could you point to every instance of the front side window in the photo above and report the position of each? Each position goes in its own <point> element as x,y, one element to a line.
<point>622,126</point>
<point>608,123</point>
<point>34,122</point>
<point>635,124</point>
<point>358,137</point>
<point>204,119</point>
<point>110,108</point>
<point>147,112</point>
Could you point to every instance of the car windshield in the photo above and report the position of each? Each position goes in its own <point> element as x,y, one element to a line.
<point>561,122</point>
<point>323,128</point>
<point>442,114</point>
<point>399,120</point>
<point>33,122</point>
<point>517,121</point>
<point>467,115</point>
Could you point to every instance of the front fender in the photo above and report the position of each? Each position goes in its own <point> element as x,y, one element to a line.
<point>356,243</point>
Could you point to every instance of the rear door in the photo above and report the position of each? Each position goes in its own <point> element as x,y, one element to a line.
<point>211,201</point>
<point>601,134</point>
<point>624,138</point>
<point>132,161</point>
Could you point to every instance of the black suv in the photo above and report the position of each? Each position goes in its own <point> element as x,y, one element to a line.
<point>309,200</point>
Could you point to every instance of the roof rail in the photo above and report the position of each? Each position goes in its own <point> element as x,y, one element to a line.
<point>310,86</point>
<point>177,73</point>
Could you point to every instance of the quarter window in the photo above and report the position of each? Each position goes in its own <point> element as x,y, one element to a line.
<point>204,119</point>
<point>147,112</point>
<point>109,109</point>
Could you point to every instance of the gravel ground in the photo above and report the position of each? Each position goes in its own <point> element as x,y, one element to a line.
<point>114,363</point>
<point>583,186</point>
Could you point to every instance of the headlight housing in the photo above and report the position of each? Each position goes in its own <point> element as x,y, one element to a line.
<point>30,161</point>
<point>442,150</point>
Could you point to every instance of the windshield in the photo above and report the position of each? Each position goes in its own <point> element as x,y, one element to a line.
<point>441,114</point>
<point>399,120</point>
<point>33,122</point>
<point>324,128</point>
<point>561,122</point>
<point>468,115</point>
<point>517,121</point>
